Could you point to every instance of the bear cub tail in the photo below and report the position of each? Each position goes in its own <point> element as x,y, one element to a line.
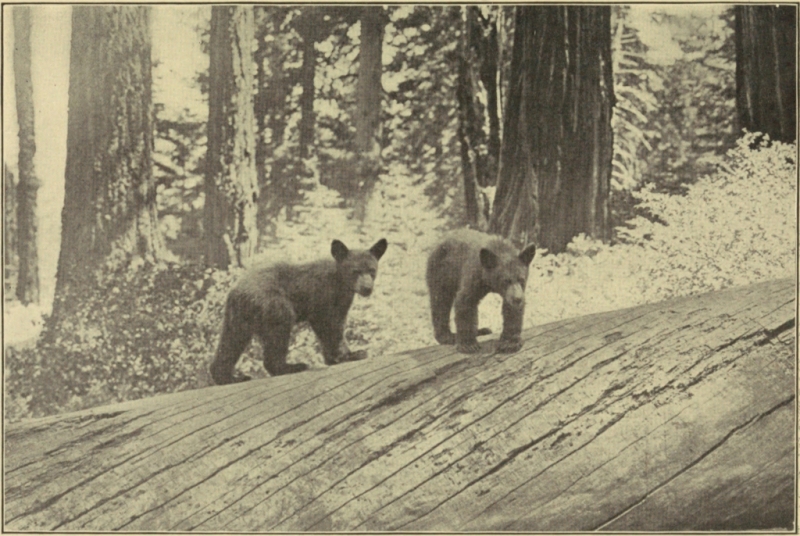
<point>270,299</point>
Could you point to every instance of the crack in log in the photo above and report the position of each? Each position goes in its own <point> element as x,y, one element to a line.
<point>562,369</point>
<point>427,421</point>
<point>139,456</point>
<point>75,441</point>
<point>770,334</point>
<point>571,342</point>
<point>328,428</point>
<point>202,452</point>
<point>637,397</point>
<point>697,460</point>
<point>246,454</point>
<point>514,452</point>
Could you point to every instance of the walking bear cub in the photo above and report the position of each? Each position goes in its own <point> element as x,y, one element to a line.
<point>465,267</point>
<point>269,299</point>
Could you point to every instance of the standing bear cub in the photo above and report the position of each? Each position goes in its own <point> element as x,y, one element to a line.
<point>269,299</point>
<point>465,267</point>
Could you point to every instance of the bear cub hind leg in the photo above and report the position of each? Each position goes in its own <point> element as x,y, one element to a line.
<point>275,334</point>
<point>237,331</point>
<point>441,304</point>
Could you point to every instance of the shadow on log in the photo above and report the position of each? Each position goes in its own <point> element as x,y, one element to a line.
<point>677,415</point>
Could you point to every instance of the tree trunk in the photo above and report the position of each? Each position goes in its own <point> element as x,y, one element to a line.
<point>110,194</point>
<point>276,188</point>
<point>555,162</point>
<point>261,103</point>
<point>307,28</point>
<point>490,72</point>
<point>10,258</point>
<point>27,290</point>
<point>369,94</point>
<point>231,191</point>
<point>477,83</point>
<point>471,118</point>
<point>766,38</point>
<point>670,416</point>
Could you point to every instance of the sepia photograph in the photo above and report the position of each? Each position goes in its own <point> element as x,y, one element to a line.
<point>463,268</point>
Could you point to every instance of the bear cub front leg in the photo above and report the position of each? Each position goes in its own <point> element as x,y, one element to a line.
<point>510,340</point>
<point>466,324</point>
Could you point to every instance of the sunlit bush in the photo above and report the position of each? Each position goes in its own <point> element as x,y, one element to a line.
<point>735,227</point>
<point>154,329</point>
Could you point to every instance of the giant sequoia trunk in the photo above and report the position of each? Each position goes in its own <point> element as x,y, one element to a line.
<point>110,194</point>
<point>369,93</point>
<point>231,190</point>
<point>555,161</point>
<point>670,416</point>
<point>766,91</point>
<point>27,289</point>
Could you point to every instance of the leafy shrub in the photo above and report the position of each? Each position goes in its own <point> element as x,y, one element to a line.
<point>145,330</point>
<point>151,329</point>
<point>735,227</point>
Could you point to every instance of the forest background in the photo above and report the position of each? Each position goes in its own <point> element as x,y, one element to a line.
<point>695,203</point>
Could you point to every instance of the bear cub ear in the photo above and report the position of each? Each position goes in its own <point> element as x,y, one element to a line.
<point>488,259</point>
<point>526,255</point>
<point>339,250</point>
<point>379,248</point>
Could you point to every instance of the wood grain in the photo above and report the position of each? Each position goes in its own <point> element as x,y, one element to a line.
<point>677,415</point>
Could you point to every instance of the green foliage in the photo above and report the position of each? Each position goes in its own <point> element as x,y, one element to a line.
<point>674,83</point>
<point>695,118</point>
<point>141,330</point>
<point>635,80</point>
<point>148,330</point>
<point>420,83</point>
<point>735,227</point>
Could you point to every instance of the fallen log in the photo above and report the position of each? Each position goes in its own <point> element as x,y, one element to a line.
<point>677,415</point>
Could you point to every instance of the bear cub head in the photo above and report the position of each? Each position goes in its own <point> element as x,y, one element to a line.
<point>505,271</point>
<point>358,268</point>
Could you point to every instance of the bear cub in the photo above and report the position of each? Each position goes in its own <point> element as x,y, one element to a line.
<point>465,267</point>
<point>269,299</point>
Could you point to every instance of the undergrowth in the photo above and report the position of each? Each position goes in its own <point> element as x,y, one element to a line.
<point>153,329</point>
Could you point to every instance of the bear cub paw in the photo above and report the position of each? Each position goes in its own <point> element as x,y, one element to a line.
<point>509,346</point>
<point>446,338</point>
<point>287,368</point>
<point>358,355</point>
<point>468,347</point>
<point>238,377</point>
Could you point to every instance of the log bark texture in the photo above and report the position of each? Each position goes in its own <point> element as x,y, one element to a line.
<point>678,415</point>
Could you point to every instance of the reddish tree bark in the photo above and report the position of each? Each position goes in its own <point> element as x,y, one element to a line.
<point>27,288</point>
<point>555,161</point>
<point>766,42</point>
<point>110,193</point>
<point>231,190</point>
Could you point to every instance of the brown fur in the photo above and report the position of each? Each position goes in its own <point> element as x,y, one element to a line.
<point>462,269</point>
<point>269,299</point>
